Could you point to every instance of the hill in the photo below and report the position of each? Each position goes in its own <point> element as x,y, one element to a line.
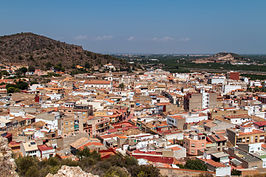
<point>229,56</point>
<point>40,51</point>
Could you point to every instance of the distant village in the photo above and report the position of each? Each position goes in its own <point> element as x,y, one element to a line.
<point>160,118</point>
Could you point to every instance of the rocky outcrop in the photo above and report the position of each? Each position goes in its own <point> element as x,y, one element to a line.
<point>67,171</point>
<point>7,163</point>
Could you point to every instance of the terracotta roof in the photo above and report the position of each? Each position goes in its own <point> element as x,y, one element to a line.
<point>79,142</point>
<point>238,116</point>
<point>177,117</point>
<point>14,144</point>
<point>162,104</point>
<point>110,136</point>
<point>213,163</point>
<point>253,132</point>
<point>98,82</point>
<point>175,148</point>
<point>44,147</point>
<point>261,123</point>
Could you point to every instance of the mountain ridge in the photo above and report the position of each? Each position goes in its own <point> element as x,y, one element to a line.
<point>37,50</point>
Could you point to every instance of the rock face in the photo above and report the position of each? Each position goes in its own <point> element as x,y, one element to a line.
<point>7,163</point>
<point>67,171</point>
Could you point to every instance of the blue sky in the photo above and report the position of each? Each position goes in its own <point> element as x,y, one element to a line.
<point>143,26</point>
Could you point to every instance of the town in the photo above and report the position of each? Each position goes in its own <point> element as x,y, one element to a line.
<point>160,118</point>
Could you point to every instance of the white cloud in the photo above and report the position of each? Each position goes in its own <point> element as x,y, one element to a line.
<point>81,37</point>
<point>130,38</point>
<point>185,39</point>
<point>165,38</point>
<point>104,37</point>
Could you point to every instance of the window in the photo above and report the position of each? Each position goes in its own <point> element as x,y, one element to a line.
<point>247,139</point>
<point>192,145</point>
<point>202,144</point>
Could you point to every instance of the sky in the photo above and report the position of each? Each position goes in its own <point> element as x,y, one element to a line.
<point>143,26</point>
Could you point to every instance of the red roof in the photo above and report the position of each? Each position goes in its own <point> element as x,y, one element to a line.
<point>44,147</point>
<point>253,132</point>
<point>261,123</point>
<point>213,163</point>
<point>163,104</point>
<point>98,82</point>
<point>14,144</point>
<point>177,117</point>
<point>167,160</point>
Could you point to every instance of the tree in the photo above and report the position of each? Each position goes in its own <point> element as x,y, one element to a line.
<point>116,171</point>
<point>121,86</point>
<point>22,85</point>
<point>144,171</point>
<point>48,65</point>
<point>195,165</point>
<point>83,153</point>
<point>59,67</point>
<point>4,73</point>
<point>25,163</point>
<point>21,71</point>
<point>31,69</point>
<point>87,65</point>
<point>12,90</point>
<point>32,171</point>
<point>131,161</point>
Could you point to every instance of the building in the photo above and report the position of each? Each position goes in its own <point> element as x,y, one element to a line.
<point>98,84</point>
<point>46,151</point>
<point>247,160</point>
<point>198,101</point>
<point>236,136</point>
<point>260,125</point>
<point>238,119</point>
<point>230,87</point>
<point>66,125</point>
<point>193,102</point>
<point>217,167</point>
<point>219,140</point>
<point>195,143</point>
<point>177,121</point>
<point>30,149</point>
<point>81,143</point>
<point>262,98</point>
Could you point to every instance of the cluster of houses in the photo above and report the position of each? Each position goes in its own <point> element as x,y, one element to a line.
<point>160,118</point>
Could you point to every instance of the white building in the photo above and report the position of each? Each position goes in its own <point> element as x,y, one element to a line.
<point>30,149</point>
<point>98,84</point>
<point>217,80</point>
<point>229,88</point>
<point>51,119</point>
